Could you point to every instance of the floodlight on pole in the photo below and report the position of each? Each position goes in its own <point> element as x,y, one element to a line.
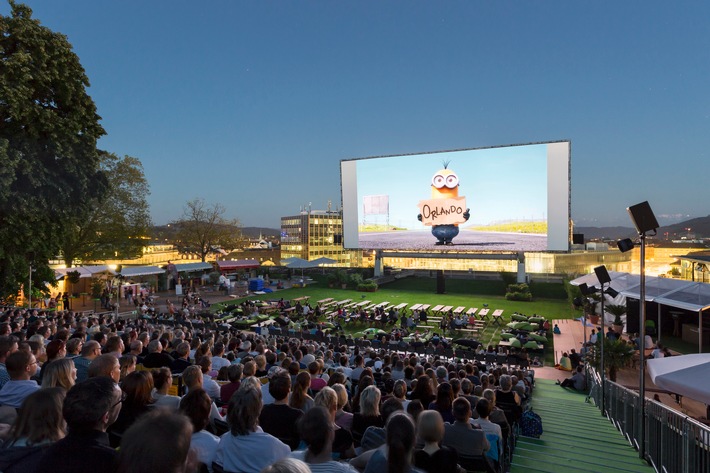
<point>604,278</point>
<point>645,221</point>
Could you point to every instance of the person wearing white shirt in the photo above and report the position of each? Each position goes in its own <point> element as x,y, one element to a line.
<point>218,362</point>
<point>208,384</point>
<point>196,405</point>
<point>246,447</point>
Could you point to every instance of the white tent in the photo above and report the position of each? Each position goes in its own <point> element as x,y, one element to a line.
<point>687,295</point>
<point>686,375</point>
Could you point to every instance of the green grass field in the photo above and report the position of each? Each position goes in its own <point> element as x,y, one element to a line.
<point>460,292</point>
<point>514,227</point>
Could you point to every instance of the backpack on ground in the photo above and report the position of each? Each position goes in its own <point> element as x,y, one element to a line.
<point>530,424</point>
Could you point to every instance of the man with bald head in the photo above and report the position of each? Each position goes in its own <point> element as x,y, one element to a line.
<point>91,350</point>
<point>105,365</point>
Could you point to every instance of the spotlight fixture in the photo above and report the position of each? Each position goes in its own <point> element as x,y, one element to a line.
<point>625,245</point>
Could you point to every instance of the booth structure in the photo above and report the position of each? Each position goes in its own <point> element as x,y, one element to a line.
<point>667,294</point>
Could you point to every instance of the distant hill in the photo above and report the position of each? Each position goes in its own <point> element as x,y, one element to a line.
<point>605,233</point>
<point>700,228</point>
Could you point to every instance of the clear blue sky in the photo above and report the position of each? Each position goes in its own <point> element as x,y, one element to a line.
<point>253,104</point>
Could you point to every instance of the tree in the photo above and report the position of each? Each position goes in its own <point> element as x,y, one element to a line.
<point>49,163</point>
<point>617,355</point>
<point>203,229</point>
<point>117,222</point>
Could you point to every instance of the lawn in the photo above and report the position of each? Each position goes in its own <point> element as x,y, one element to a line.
<point>459,292</point>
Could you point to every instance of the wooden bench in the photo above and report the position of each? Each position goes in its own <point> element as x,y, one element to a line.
<point>301,299</point>
<point>483,313</point>
<point>507,343</point>
<point>324,301</point>
<point>473,331</point>
<point>498,316</point>
<point>459,310</point>
<point>437,309</point>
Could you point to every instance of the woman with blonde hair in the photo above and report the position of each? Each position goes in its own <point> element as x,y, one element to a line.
<point>40,420</point>
<point>433,457</point>
<point>59,373</point>
<point>369,414</point>
<point>342,443</point>
<point>342,418</point>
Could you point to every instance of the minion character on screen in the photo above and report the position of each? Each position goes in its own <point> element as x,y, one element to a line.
<point>446,209</point>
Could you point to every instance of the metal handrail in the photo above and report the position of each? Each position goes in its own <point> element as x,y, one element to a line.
<point>673,443</point>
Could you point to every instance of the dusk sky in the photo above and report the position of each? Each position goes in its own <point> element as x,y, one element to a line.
<point>254,104</point>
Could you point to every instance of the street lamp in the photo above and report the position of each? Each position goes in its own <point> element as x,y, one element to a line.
<point>604,278</point>
<point>645,222</point>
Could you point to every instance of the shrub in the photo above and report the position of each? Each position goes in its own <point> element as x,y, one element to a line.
<point>518,292</point>
<point>356,279</point>
<point>367,286</point>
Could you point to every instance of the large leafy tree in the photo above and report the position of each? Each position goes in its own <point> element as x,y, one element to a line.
<point>204,228</point>
<point>118,220</point>
<point>49,164</point>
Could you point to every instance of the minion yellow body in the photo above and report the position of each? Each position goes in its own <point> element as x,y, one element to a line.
<point>445,185</point>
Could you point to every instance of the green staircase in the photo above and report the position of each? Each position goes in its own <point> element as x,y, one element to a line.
<point>576,438</point>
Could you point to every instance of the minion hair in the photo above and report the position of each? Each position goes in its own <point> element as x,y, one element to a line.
<point>446,164</point>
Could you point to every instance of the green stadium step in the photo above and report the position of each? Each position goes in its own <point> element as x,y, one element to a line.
<point>564,443</point>
<point>576,438</point>
<point>621,462</point>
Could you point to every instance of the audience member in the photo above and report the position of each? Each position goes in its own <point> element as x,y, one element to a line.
<point>433,457</point>
<point>316,429</point>
<point>461,436</point>
<point>162,382</point>
<point>278,418</point>
<point>138,387</point>
<point>91,350</point>
<point>61,373</point>
<point>158,442</point>
<point>246,447</point>
<point>21,366</point>
<point>196,406</point>
<point>90,407</point>
<point>107,366</point>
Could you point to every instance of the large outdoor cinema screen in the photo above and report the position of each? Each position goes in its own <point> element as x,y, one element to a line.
<point>501,199</point>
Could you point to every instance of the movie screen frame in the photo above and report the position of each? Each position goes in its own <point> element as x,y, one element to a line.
<point>508,198</point>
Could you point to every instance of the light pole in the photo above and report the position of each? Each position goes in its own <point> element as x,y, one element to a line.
<point>645,222</point>
<point>604,278</point>
<point>29,290</point>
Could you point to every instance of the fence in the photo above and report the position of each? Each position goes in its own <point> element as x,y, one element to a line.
<point>674,442</point>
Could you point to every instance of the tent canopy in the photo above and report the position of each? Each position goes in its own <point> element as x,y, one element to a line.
<point>229,265</point>
<point>84,271</point>
<point>135,271</point>
<point>685,374</point>
<point>681,294</point>
<point>190,267</point>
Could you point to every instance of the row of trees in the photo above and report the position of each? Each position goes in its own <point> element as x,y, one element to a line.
<point>60,194</point>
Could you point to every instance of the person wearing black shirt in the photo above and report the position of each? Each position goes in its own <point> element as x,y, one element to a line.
<point>279,419</point>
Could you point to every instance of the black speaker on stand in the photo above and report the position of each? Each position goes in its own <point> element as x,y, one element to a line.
<point>643,218</point>
<point>440,282</point>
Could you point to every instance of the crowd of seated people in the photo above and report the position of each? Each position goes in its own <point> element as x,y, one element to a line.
<point>236,401</point>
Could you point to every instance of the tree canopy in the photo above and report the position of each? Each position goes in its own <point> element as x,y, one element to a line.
<point>118,220</point>
<point>49,164</point>
<point>203,228</point>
